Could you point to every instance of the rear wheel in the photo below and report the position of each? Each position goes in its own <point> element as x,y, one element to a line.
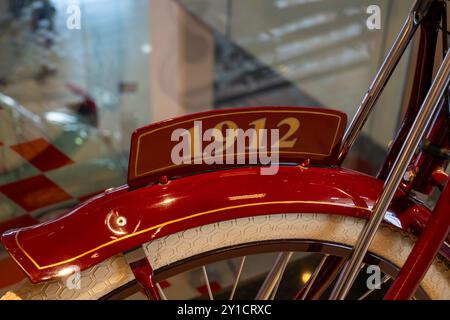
<point>226,250</point>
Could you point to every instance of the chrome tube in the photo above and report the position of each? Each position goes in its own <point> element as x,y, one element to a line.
<point>417,12</point>
<point>425,115</point>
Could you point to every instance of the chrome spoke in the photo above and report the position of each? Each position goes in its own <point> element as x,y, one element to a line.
<point>161,292</point>
<point>275,290</point>
<point>238,276</point>
<point>365,295</point>
<point>339,278</point>
<point>313,278</point>
<point>274,275</point>
<point>205,275</point>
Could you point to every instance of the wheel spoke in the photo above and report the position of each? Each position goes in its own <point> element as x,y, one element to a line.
<point>323,280</point>
<point>338,280</point>
<point>238,276</point>
<point>275,290</point>
<point>274,275</point>
<point>205,275</point>
<point>365,295</point>
<point>313,278</point>
<point>161,292</point>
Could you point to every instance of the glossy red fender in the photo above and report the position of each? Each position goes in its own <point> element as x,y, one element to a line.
<point>121,219</point>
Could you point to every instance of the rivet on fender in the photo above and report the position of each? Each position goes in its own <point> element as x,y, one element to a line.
<point>163,180</point>
<point>305,164</point>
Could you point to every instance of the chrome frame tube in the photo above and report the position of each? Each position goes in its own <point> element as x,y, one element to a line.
<point>423,119</point>
<point>417,12</point>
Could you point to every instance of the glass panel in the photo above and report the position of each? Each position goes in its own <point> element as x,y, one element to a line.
<point>77,77</point>
<point>308,53</point>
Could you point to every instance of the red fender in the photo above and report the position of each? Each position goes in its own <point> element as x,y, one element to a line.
<point>121,219</point>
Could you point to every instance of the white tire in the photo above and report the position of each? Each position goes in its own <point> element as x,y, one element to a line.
<point>98,281</point>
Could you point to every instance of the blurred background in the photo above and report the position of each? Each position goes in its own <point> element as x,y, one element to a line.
<point>77,77</point>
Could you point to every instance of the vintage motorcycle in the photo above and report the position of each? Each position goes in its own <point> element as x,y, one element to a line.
<point>172,218</point>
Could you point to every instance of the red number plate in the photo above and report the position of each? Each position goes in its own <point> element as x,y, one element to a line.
<point>303,133</point>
